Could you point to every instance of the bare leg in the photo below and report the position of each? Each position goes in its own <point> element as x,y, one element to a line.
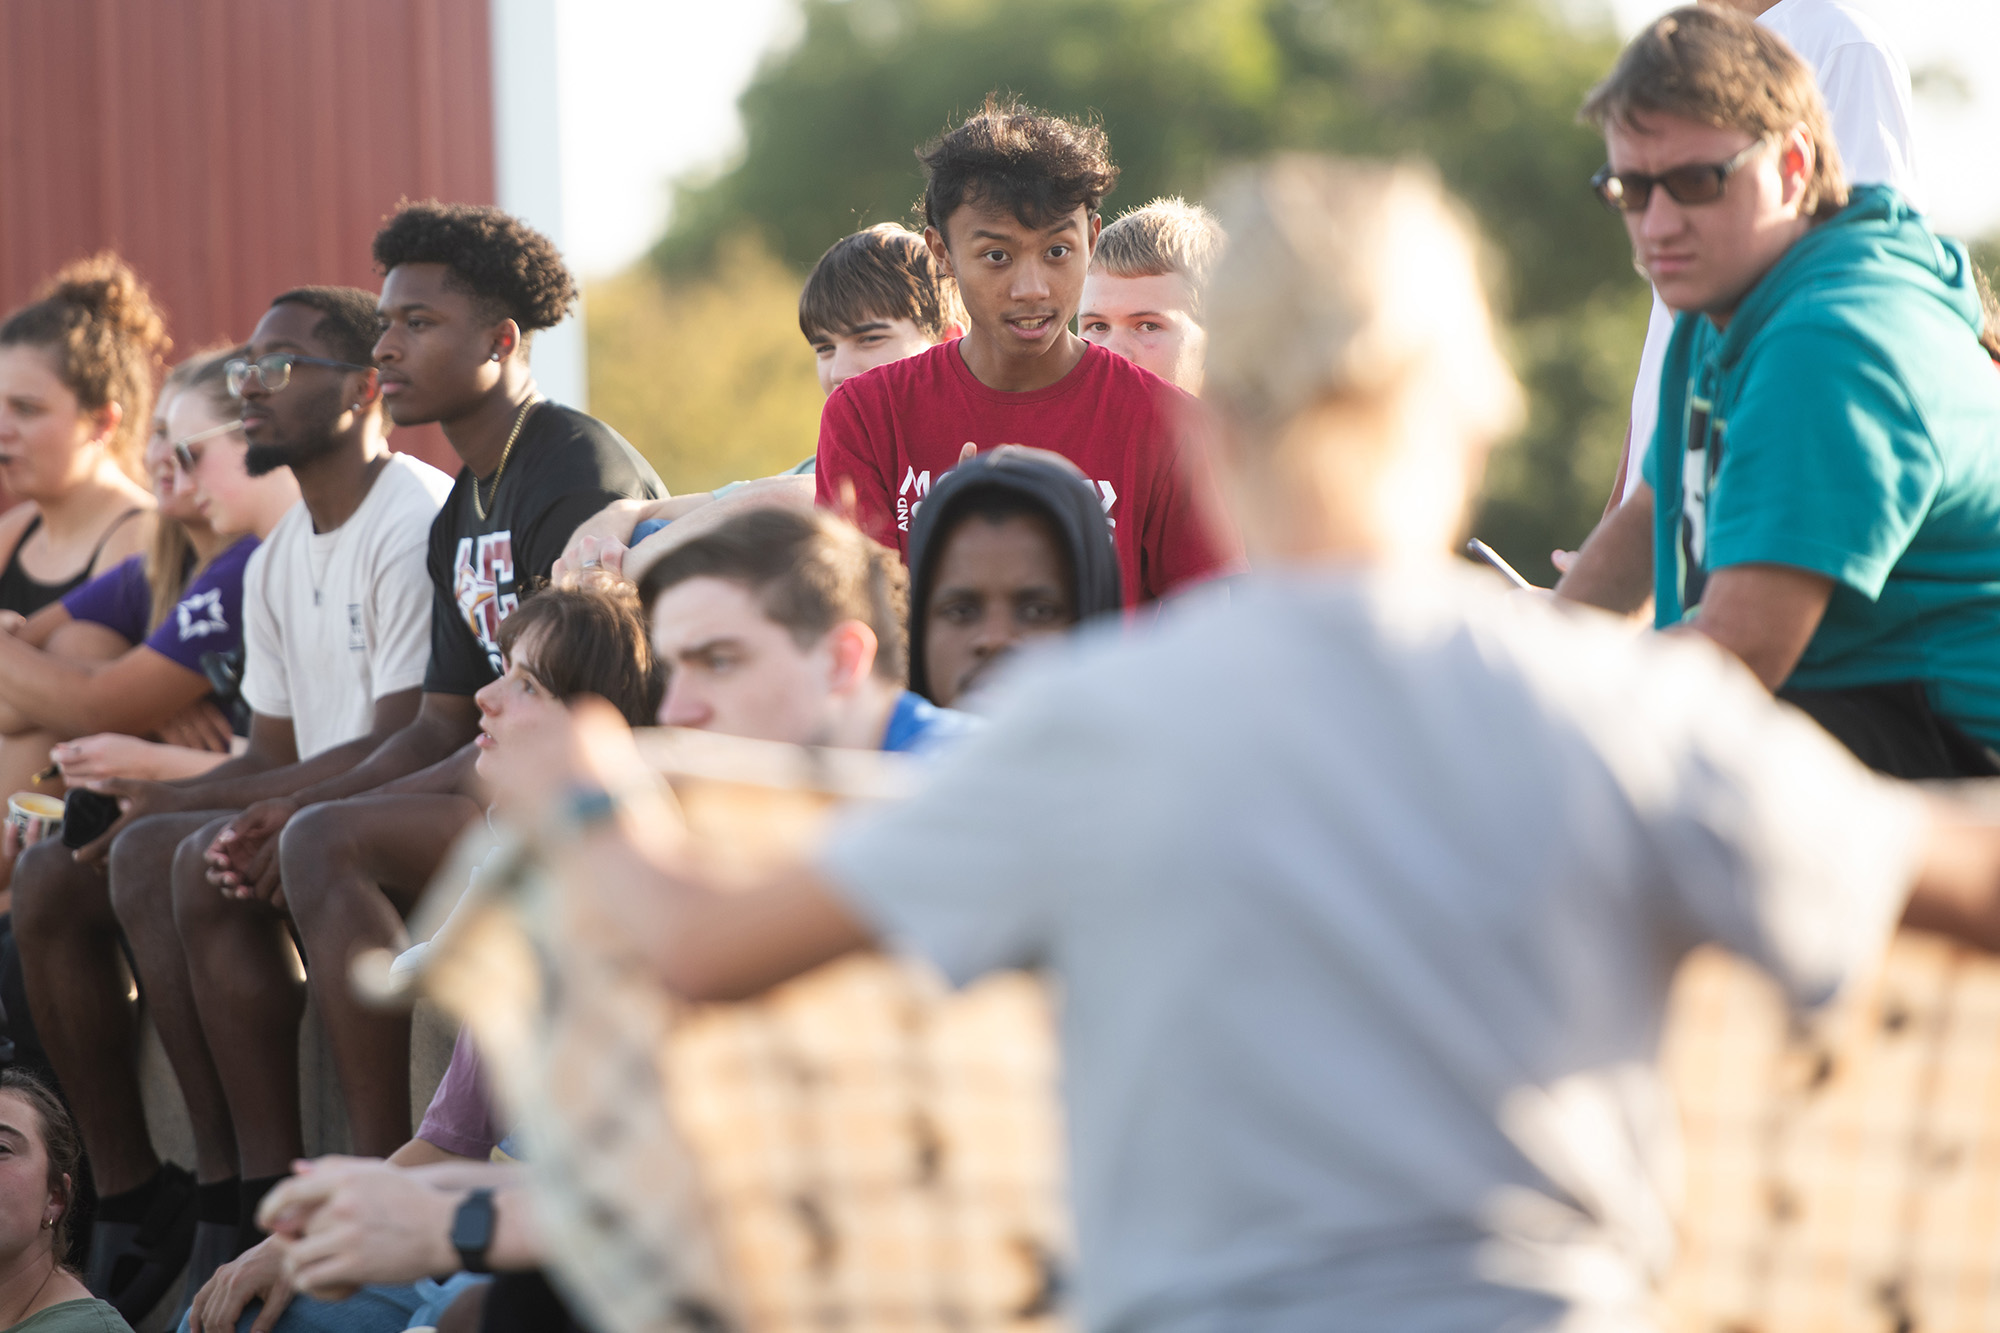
<point>142,865</point>
<point>351,869</point>
<point>79,993</point>
<point>246,987</point>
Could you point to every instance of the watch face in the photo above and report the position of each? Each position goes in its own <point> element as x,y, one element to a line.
<point>472,1229</point>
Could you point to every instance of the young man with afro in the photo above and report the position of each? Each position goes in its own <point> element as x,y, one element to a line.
<point>465,289</point>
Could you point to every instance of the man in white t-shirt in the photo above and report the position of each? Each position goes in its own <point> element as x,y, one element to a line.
<point>1364,883</point>
<point>1866,85</point>
<point>337,606</point>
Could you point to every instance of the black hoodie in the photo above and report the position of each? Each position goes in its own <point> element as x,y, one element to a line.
<point>1056,488</point>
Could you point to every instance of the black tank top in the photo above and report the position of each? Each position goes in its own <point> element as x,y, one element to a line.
<point>19,592</point>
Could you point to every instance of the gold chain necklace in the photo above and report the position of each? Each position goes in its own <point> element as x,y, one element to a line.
<point>506,452</point>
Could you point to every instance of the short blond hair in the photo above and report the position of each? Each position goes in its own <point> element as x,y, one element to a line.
<point>1169,235</point>
<point>1715,66</point>
<point>1344,280</point>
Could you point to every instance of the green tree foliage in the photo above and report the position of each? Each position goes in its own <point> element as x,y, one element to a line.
<point>707,377</point>
<point>1487,89</point>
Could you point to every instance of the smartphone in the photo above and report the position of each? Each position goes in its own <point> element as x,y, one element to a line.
<point>1479,550</point>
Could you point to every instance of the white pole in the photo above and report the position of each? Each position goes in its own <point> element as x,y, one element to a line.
<point>528,166</point>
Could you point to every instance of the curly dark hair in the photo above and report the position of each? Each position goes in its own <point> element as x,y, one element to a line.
<point>491,256</point>
<point>349,324</point>
<point>1041,167</point>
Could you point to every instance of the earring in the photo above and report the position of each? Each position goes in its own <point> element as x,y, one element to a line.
<point>494,357</point>
<point>357,407</point>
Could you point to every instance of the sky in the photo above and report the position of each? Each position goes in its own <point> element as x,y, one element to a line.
<point>648,94</point>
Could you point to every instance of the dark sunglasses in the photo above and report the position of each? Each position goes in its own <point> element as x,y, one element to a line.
<point>186,456</point>
<point>1697,183</point>
<point>274,372</point>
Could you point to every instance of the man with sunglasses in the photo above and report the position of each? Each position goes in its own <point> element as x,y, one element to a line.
<point>336,631</point>
<point>1822,497</point>
<point>1866,85</point>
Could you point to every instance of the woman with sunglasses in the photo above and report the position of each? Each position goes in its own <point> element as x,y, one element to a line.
<point>138,692</point>
<point>76,391</point>
<point>115,611</point>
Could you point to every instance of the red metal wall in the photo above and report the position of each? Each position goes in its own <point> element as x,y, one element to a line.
<point>230,149</point>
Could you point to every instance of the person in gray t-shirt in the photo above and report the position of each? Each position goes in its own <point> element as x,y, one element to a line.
<point>1365,879</point>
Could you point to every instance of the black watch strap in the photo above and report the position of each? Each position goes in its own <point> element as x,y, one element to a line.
<point>472,1230</point>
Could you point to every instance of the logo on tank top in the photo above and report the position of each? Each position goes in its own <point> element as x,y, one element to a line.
<point>201,615</point>
<point>482,564</point>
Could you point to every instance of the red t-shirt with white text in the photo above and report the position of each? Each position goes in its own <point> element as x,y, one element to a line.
<point>896,429</point>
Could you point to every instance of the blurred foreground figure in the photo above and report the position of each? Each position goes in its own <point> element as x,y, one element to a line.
<point>1365,882</point>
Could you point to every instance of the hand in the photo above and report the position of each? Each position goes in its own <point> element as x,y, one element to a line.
<point>136,800</point>
<point>256,1274</point>
<point>1562,560</point>
<point>243,859</point>
<point>199,726</point>
<point>11,622</point>
<point>350,1221</point>
<point>10,842</point>
<point>596,558</point>
<point>88,760</point>
<point>611,525</point>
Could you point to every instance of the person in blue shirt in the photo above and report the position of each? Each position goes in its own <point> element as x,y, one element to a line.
<point>789,626</point>
<point>1823,490</point>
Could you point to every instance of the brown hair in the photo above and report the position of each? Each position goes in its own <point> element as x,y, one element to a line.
<point>880,272</point>
<point>1718,67</point>
<point>170,555</point>
<point>593,641</point>
<point>810,571</point>
<point>59,1139</point>
<point>1169,235</point>
<point>99,322</point>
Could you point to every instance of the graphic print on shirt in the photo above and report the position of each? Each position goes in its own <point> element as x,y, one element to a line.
<point>481,565</point>
<point>1698,469</point>
<point>202,615</point>
<point>916,485</point>
<point>357,631</point>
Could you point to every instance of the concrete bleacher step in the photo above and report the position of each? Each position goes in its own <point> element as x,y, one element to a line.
<point>323,1112</point>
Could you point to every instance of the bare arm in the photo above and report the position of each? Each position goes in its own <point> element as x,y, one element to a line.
<point>132,693</point>
<point>1614,570</point>
<point>1957,892</point>
<point>628,887</point>
<point>442,725</point>
<point>352,1221</point>
<point>241,783</point>
<point>783,492</point>
<point>1765,614</point>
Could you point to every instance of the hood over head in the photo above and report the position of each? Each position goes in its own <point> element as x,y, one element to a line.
<point>1053,485</point>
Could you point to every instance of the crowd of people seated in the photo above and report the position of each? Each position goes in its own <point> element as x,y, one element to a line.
<point>1363,877</point>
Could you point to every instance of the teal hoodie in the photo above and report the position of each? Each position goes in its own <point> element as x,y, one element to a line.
<point>1847,422</point>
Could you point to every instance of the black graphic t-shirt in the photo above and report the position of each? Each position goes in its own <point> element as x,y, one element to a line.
<point>565,467</point>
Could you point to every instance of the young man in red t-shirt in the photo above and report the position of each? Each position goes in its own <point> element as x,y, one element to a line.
<point>1010,206</point>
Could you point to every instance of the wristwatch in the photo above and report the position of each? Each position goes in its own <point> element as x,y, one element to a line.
<point>472,1230</point>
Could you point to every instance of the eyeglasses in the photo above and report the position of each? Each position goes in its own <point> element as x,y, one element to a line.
<point>187,457</point>
<point>274,372</point>
<point>1697,183</point>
